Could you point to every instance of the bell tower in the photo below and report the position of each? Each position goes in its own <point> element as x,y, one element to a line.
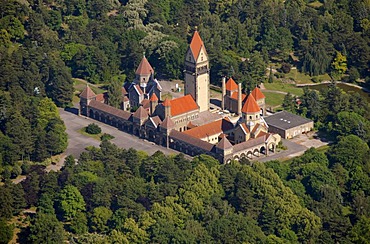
<point>197,72</point>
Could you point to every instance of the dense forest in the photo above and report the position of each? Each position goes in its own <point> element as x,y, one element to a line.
<point>112,195</point>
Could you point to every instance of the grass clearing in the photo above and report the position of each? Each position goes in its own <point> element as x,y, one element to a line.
<point>301,78</point>
<point>273,99</point>
<point>83,132</point>
<point>315,4</point>
<point>278,86</point>
<point>80,85</point>
<point>323,149</point>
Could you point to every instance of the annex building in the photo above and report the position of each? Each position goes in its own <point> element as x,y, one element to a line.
<point>186,123</point>
<point>288,125</point>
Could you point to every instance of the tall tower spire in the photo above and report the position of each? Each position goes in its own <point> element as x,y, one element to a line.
<point>197,72</point>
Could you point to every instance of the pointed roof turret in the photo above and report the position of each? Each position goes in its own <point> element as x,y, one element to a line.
<point>144,67</point>
<point>167,102</point>
<point>224,143</point>
<point>250,106</point>
<point>87,93</point>
<point>154,98</point>
<point>196,44</point>
<point>167,123</point>
<point>231,85</point>
<point>141,113</point>
<point>257,94</point>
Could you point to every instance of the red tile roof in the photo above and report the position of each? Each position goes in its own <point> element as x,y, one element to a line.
<point>257,94</point>
<point>182,105</point>
<point>87,93</point>
<point>144,68</point>
<point>154,98</point>
<point>196,44</point>
<point>145,103</point>
<point>231,85</point>
<point>235,96</point>
<point>250,106</point>
<point>100,97</point>
<point>245,128</point>
<point>138,89</point>
<point>216,127</point>
<point>166,102</point>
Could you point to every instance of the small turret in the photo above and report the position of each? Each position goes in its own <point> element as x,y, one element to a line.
<point>167,108</point>
<point>153,103</point>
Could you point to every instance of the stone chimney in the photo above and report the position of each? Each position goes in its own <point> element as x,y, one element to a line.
<point>239,99</point>
<point>223,93</point>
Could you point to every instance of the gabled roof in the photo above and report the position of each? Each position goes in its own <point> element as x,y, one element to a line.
<point>100,97</point>
<point>145,103</point>
<point>244,128</point>
<point>124,92</point>
<point>182,105</point>
<point>255,128</point>
<point>250,106</point>
<point>109,109</point>
<point>144,67</point>
<point>191,140</point>
<point>138,89</point>
<point>196,45</point>
<point>224,143</point>
<point>231,85</point>
<point>154,121</point>
<point>154,98</point>
<point>250,143</point>
<point>87,93</point>
<point>213,128</point>
<point>141,113</point>
<point>167,123</point>
<point>257,94</point>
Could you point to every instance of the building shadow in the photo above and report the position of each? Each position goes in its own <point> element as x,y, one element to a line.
<point>72,110</point>
<point>216,102</point>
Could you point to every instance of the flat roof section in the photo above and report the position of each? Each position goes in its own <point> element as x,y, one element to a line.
<point>286,120</point>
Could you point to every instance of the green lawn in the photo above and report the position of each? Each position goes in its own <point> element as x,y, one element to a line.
<point>80,86</point>
<point>83,132</point>
<point>273,99</point>
<point>301,78</point>
<point>315,4</point>
<point>278,86</point>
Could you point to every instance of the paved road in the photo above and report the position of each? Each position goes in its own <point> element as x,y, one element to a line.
<point>78,142</point>
<point>293,150</point>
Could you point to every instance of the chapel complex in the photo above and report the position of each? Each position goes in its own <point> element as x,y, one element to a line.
<point>186,123</point>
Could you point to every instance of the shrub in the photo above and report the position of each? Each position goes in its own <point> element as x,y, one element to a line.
<point>93,129</point>
<point>106,137</point>
<point>285,67</point>
<point>316,79</point>
<point>279,75</point>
